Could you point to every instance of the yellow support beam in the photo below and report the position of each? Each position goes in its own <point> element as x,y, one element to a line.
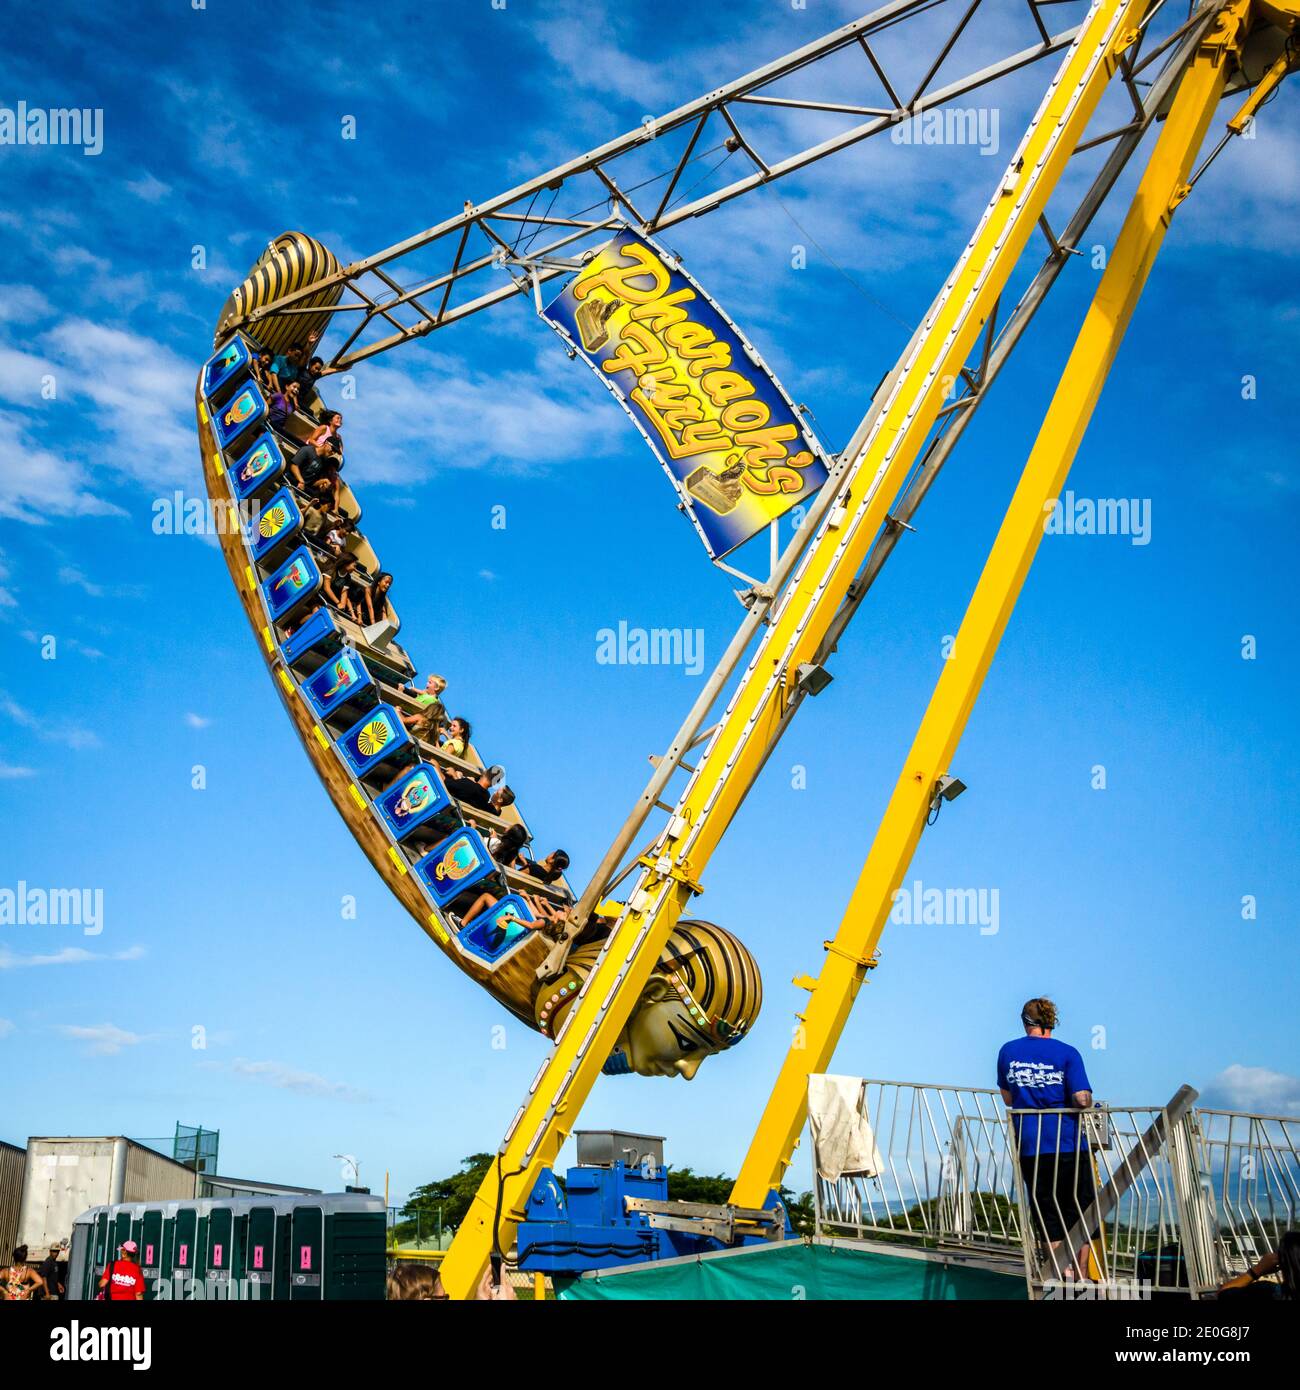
<point>1162,188</point>
<point>797,624</point>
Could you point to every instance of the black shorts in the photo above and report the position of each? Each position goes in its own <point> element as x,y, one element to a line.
<point>1059,1189</point>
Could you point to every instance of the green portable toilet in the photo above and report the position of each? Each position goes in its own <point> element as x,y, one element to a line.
<point>199,1285</point>
<point>355,1250</point>
<point>150,1242</point>
<point>137,1232</point>
<point>220,1230</point>
<point>167,1251</point>
<point>283,1235</point>
<point>184,1252</point>
<point>238,1243</point>
<point>99,1249</point>
<point>306,1249</point>
<point>260,1253</point>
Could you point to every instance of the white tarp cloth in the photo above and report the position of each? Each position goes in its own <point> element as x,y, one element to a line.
<point>842,1137</point>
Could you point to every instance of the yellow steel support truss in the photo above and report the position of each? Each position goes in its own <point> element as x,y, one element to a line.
<point>798,622</point>
<point>1162,188</point>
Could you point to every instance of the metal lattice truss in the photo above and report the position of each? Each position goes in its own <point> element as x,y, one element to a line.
<point>772,121</point>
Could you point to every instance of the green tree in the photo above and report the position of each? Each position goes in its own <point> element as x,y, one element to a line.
<point>802,1214</point>
<point>451,1196</point>
<point>686,1185</point>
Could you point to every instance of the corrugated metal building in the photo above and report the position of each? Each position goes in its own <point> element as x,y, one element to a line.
<point>221,1188</point>
<point>13,1164</point>
<point>67,1175</point>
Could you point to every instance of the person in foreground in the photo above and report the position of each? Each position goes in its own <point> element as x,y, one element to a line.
<point>1038,1072</point>
<point>423,1284</point>
<point>1284,1262</point>
<point>123,1280</point>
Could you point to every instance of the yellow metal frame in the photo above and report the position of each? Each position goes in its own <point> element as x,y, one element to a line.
<point>798,623</point>
<point>1163,186</point>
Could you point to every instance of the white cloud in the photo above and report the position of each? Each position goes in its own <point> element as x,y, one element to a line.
<point>1257,1089</point>
<point>22,304</point>
<point>197,721</point>
<point>37,485</point>
<point>104,1039</point>
<point>593,62</point>
<point>141,403</point>
<point>303,1083</point>
<point>434,415</point>
<point>135,393</point>
<point>69,955</point>
<point>69,574</point>
<point>150,189</point>
<point>21,375</point>
<point>70,735</point>
<point>7,1027</point>
<point>10,773</point>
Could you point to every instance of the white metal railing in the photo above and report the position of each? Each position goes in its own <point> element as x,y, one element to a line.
<point>1249,1174</point>
<point>1114,1202</point>
<point>946,1175</point>
<point>1101,1198</point>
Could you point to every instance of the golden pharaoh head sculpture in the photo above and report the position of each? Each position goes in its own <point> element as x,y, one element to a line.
<point>702,997</point>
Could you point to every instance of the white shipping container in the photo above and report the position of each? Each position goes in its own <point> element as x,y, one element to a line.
<point>65,1176</point>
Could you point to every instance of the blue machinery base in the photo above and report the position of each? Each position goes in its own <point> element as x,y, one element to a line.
<point>584,1225</point>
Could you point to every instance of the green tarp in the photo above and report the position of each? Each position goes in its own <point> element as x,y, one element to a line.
<point>798,1269</point>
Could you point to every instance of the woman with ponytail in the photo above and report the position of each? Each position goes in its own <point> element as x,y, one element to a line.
<point>1044,1085</point>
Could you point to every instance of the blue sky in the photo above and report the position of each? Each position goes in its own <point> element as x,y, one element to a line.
<point>326,1035</point>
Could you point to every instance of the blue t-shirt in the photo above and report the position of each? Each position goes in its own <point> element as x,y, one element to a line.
<point>1043,1074</point>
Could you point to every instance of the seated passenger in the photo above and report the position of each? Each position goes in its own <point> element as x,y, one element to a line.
<point>477,792</point>
<point>432,715</point>
<point>288,365</point>
<point>322,491</point>
<point>316,369</point>
<point>548,919</point>
<point>289,628</point>
<point>318,517</point>
<point>456,740</point>
<point>549,870</point>
<point>427,725</point>
<point>507,845</point>
<point>314,463</point>
<point>342,529</point>
<point>328,430</point>
<point>337,584</point>
<point>260,366</point>
<point>282,405</point>
<point>375,604</point>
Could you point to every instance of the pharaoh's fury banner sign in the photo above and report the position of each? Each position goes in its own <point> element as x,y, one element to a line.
<point>731,440</point>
